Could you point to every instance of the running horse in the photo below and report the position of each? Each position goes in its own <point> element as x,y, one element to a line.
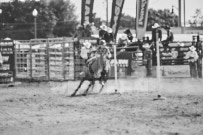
<point>89,75</point>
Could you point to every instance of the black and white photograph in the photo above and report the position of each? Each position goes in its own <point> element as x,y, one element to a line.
<point>101,67</point>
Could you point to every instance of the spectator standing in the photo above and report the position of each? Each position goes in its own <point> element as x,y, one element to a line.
<point>129,34</point>
<point>169,38</point>
<point>192,57</point>
<point>156,29</point>
<point>108,36</point>
<point>147,60</point>
<point>123,41</point>
<point>102,31</point>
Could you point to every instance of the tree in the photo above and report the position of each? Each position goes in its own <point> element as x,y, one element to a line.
<point>66,19</point>
<point>197,18</point>
<point>53,19</point>
<point>127,21</point>
<point>162,17</point>
<point>19,22</point>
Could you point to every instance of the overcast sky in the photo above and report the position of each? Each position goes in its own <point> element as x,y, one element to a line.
<point>129,7</point>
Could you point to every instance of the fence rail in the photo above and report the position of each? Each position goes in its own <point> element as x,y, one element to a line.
<point>59,59</point>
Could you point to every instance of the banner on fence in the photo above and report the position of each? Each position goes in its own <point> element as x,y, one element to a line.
<point>117,6</point>
<point>7,70</point>
<point>87,11</point>
<point>141,17</point>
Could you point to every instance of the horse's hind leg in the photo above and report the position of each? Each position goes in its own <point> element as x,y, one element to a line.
<point>81,82</point>
<point>91,83</point>
<point>101,88</point>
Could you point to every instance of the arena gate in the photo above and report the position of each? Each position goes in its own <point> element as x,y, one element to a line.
<point>45,59</point>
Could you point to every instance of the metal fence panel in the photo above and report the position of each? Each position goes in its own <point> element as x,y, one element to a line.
<point>45,59</point>
<point>22,52</point>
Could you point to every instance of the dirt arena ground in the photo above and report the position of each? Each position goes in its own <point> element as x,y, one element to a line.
<point>47,109</point>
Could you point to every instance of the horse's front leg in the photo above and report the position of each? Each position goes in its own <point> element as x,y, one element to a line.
<point>81,82</point>
<point>91,83</point>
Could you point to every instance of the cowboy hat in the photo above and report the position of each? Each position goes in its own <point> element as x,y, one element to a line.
<point>156,25</point>
<point>192,48</point>
<point>109,30</point>
<point>103,27</point>
<point>87,44</point>
<point>146,45</point>
<point>126,31</point>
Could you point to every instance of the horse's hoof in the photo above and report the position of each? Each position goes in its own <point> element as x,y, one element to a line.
<point>85,94</point>
<point>72,95</point>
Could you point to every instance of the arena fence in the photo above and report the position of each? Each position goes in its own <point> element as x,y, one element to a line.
<point>45,59</point>
<point>59,59</point>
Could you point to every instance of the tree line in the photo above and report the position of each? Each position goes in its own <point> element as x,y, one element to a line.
<point>57,18</point>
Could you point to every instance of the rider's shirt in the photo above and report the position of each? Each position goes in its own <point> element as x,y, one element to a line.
<point>84,52</point>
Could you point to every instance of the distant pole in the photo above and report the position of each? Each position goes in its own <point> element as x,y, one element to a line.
<point>184,13</point>
<point>35,13</point>
<point>179,16</point>
<point>115,68</point>
<point>35,26</point>
<point>158,62</point>
<point>107,10</point>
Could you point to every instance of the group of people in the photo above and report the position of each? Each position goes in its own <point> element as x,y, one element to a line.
<point>90,53</point>
<point>85,30</point>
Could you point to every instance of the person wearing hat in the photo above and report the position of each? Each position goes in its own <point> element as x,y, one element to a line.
<point>129,34</point>
<point>147,59</point>
<point>123,40</point>
<point>105,52</point>
<point>108,36</point>
<point>85,50</point>
<point>87,29</point>
<point>192,57</point>
<point>169,38</point>
<point>156,29</point>
<point>102,31</point>
<point>79,32</point>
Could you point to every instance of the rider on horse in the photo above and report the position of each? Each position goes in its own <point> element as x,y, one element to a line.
<point>100,61</point>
